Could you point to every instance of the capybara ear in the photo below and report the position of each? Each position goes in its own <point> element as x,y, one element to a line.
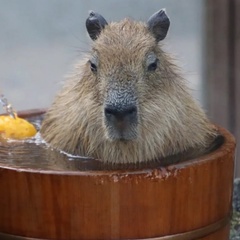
<point>158,24</point>
<point>95,23</point>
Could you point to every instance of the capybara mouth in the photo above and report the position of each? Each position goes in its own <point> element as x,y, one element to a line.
<point>122,137</point>
<point>121,132</point>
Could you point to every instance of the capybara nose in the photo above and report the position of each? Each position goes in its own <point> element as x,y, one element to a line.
<point>120,113</point>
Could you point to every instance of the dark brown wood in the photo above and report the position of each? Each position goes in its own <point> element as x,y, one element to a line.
<point>31,113</point>
<point>222,65</point>
<point>236,72</point>
<point>217,85</point>
<point>122,204</point>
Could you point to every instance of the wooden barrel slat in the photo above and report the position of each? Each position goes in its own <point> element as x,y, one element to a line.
<point>119,205</point>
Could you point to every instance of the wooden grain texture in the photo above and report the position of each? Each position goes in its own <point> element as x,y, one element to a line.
<point>217,85</point>
<point>74,205</point>
<point>236,72</point>
<point>222,65</point>
<point>221,234</point>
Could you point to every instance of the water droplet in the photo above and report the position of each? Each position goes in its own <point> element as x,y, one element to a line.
<point>7,106</point>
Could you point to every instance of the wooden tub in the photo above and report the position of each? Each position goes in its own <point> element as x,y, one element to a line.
<point>189,200</point>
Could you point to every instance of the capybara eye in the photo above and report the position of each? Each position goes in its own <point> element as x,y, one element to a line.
<point>153,66</point>
<point>93,67</point>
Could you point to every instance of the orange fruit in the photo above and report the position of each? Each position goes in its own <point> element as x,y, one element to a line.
<point>16,128</point>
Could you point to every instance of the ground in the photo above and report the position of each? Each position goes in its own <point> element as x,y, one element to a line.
<point>235,224</point>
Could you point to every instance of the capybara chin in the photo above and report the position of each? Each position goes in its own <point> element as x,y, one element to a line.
<point>127,101</point>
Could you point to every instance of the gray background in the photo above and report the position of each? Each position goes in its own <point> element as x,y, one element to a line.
<point>40,40</point>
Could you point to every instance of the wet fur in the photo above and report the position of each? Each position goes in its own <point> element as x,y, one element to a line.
<point>170,121</point>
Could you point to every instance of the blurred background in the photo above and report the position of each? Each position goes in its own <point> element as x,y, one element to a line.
<point>41,40</point>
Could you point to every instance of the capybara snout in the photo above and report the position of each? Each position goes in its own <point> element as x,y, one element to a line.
<point>121,122</point>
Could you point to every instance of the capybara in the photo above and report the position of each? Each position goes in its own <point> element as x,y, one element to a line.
<point>127,101</point>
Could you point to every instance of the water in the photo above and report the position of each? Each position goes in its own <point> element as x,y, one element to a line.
<point>35,154</point>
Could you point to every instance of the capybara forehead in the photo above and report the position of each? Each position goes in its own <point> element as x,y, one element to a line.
<point>127,37</point>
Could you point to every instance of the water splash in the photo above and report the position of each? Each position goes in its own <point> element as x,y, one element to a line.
<point>72,157</point>
<point>7,106</point>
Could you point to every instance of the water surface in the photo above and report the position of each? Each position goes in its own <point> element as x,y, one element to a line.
<point>35,154</point>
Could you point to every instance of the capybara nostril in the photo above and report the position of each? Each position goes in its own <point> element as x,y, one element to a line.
<point>120,113</point>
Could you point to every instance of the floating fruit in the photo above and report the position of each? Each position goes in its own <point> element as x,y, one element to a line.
<point>16,128</point>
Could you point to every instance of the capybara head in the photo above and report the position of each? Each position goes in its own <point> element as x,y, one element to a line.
<point>127,101</point>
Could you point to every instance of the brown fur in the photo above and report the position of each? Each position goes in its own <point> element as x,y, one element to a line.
<point>170,121</point>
